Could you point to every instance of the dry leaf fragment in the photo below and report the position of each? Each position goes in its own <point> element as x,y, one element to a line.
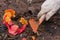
<point>24,39</point>
<point>23,21</point>
<point>33,38</point>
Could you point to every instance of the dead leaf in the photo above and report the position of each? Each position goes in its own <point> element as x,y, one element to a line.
<point>34,25</point>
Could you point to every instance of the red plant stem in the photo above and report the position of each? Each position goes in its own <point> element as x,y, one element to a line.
<point>20,30</point>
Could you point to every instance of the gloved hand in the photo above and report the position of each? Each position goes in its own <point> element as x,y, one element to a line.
<point>49,7</point>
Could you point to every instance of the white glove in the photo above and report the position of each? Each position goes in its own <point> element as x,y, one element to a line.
<point>49,7</point>
<point>29,1</point>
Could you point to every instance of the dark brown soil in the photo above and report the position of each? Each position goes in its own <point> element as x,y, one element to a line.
<point>49,30</point>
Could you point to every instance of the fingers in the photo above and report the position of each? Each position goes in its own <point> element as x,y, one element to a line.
<point>40,14</point>
<point>50,14</point>
<point>42,19</point>
<point>48,9</point>
<point>45,7</point>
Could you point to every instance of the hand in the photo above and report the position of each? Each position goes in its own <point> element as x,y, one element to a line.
<point>49,7</point>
